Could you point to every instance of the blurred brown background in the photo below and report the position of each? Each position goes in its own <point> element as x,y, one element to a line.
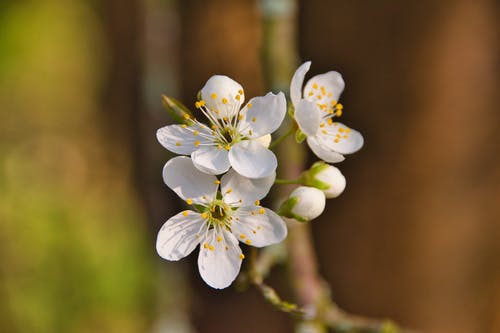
<point>415,237</point>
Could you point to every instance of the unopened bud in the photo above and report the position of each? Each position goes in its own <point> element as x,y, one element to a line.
<point>325,177</point>
<point>304,204</point>
<point>178,111</point>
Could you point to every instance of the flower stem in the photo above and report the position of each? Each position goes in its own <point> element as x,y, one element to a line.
<point>281,138</point>
<point>286,181</point>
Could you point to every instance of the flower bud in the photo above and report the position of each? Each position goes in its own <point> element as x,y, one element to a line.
<point>304,204</point>
<point>325,177</point>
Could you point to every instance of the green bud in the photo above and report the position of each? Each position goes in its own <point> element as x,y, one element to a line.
<point>178,111</point>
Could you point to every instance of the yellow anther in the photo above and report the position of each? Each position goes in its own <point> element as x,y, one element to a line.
<point>205,246</point>
<point>227,147</point>
<point>254,231</point>
<point>323,131</point>
<point>341,130</point>
<point>196,143</point>
<point>315,86</point>
<point>229,190</point>
<point>237,97</point>
<point>339,113</point>
<point>219,146</point>
<point>184,125</point>
<point>219,238</point>
<point>323,91</point>
<point>311,93</point>
<point>242,256</point>
<point>240,117</point>
<point>217,182</point>
<point>339,106</point>
<point>322,125</point>
<point>225,118</point>
<point>347,130</point>
<point>204,197</point>
<point>185,213</point>
<point>248,241</point>
<point>224,100</point>
<point>202,102</point>
<point>346,136</point>
<point>195,133</point>
<point>319,97</point>
<point>338,136</point>
<point>178,144</point>
<point>250,132</point>
<point>214,95</point>
<point>240,92</point>
<point>189,201</point>
<point>335,124</point>
<point>197,105</point>
<point>262,211</point>
<point>213,127</point>
<point>204,215</point>
<point>336,140</point>
<point>252,213</point>
<point>254,119</point>
<point>227,247</point>
<point>329,94</point>
<point>211,247</point>
<point>197,236</point>
<point>330,111</point>
<point>243,236</point>
<point>259,227</point>
<point>186,116</point>
<point>257,202</point>
<point>249,105</point>
<point>329,121</point>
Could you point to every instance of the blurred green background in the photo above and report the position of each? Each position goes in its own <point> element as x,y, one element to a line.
<point>415,237</point>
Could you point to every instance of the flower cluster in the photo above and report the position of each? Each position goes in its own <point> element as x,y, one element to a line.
<point>229,168</point>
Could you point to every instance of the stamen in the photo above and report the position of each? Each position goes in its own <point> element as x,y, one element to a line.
<point>214,95</point>
<point>242,256</point>
<point>248,241</point>
<point>178,144</point>
<point>257,202</point>
<point>185,213</point>
<point>189,201</point>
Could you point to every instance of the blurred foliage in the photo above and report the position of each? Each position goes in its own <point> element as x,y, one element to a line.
<point>76,255</point>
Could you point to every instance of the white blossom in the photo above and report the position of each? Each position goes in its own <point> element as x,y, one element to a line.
<point>304,204</point>
<point>237,137</point>
<point>316,107</point>
<point>227,211</point>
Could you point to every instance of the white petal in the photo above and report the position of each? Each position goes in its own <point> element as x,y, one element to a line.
<point>250,159</point>
<point>219,262</point>
<point>324,88</point>
<point>188,182</point>
<point>211,160</point>
<point>264,140</point>
<point>220,94</point>
<point>297,82</point>
<point>235,187</point>
<point>181,140</point>
<point>264,116</point>
<point>258,226</point>
<point>308,117</point>
<point>178,236</point>
<point>322,151</point>
<point>340,138</point>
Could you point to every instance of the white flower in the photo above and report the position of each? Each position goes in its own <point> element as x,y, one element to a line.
<point>314,113</point>
<point>304,204</point>
<point>228,211</point>
<point>234,138</point>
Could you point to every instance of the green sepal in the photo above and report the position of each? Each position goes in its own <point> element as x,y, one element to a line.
<point>178,111</point>
<point>308,177</point>
<point>299,136</point>
<point>291,111</point>
<point>200,208</point>
<point>286,207</point>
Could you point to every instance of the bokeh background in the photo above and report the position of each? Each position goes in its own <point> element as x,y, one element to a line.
<point>415,237</point>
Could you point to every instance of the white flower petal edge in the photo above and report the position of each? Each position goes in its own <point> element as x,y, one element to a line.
<point>258,226</point>
<point>250,159</point>
<point>177,237</point>
<point>322,151</point>
<point>220,93</point>
<point>219,264</point>
<point>297,82</point>
<point>188,182</point>
<point>211,160</point>
<point>237,188</point>
<point>263,115</point>
<point>308,117</point>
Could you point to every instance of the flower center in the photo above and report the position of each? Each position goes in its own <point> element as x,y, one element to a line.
<point>219,214</point>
